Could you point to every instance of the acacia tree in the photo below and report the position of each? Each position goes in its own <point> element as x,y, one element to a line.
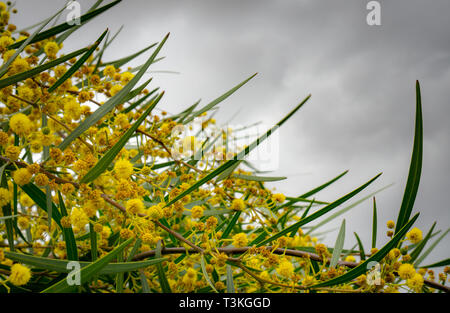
<point>89,174</point>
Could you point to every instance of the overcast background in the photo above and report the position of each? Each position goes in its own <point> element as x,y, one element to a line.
<point>362,81</point>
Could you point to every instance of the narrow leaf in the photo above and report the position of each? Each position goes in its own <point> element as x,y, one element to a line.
<point>338,246</point>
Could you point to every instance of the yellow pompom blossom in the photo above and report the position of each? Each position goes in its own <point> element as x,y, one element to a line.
<point>390,224</point>
<point>23,222</point>
<point>22,176</point>
<point>5,196</point>
<point>126,77</point>
<point>415,282</point>
<point>414,235</point>
<point>237,204</point>
<point>285,268</point>
<point>109,71</point>
<point>197,211</point>
<point>12,152</point>
<point>406,271</point>
<point>78,218</point>
<point>350,258</point>
<point>51,48</point>
<point>134,206</point>
<point>240,240</point>
<point>20,275</point>
<point>20,124</point>
<point>115,89</point>
<point>123,168</point>
<point>279,197</point>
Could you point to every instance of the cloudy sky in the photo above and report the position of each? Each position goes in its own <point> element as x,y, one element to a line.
<point>362,81</point>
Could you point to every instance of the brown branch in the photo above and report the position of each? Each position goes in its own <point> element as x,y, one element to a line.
<point>280,251</point>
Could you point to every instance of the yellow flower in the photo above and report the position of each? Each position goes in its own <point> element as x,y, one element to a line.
<point>238,204</point>
<point>390,224</point>
<point>279,197</point>
<point>20,274</point>
<point>19,65</point>
<point>350,258</point>
<point>72,109</point>
<point>20,124</point>
<point>5,197</point>
<point>240,240</point>
<point>23,222</point>
<point>78,218</point>
<point>41,180</point>
<point>25,200</point>
<point>414,235</point>
<point>22,176</point>
<point>406,271</point>
<point>134,206</point>
<point>415,282</point>
<point>197,211</point>
<point>51,48</point>
<point>123,168</point>
<point>147,237</point>
<point>126,77</point>
<point>285,268</point>
<point>115,89</point>
<point>109,71</point>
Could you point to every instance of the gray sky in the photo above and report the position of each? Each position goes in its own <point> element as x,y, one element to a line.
<point>362,81</point>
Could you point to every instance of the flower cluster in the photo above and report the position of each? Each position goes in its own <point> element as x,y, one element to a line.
<point>52,207</point>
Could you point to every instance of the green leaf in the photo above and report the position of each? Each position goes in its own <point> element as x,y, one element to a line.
<point>144,282</point>
<point>40,198</point>
<point>77,64</point>
<point>412,184</point>
<point>218,100</point>
<point>111,103</point>
<point>69,237</point>
<point>138,102</point>
<point>6,209</point>
<point>428,251</point>
<point>230,282</point>
<point>60,266</point>
<point>137,91</point>
<point>30,73</point>
<point>2,218</point>
<point>416,252</point>
<point>165,287</point>
<point>136,246</point>
<point>205,273</point>
<point>317,214</point>
<point>64,26</point>
<point>24,43</point>
<point>87,272</point>
<point>338,246</point>
<point>362,255</point>
<point>344,210</point>
<point>125,60</point>
<point>445,262</point>
<point>231,224</point>
<point>305,213</point>
<point>93,241</point>
<point>238,158</point>
<point>377,257</point>
<point>257,178</point>
<point>104,162</point>
<point>374,224</point>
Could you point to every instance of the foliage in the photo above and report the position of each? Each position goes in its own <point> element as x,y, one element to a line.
<point>89,173</point>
